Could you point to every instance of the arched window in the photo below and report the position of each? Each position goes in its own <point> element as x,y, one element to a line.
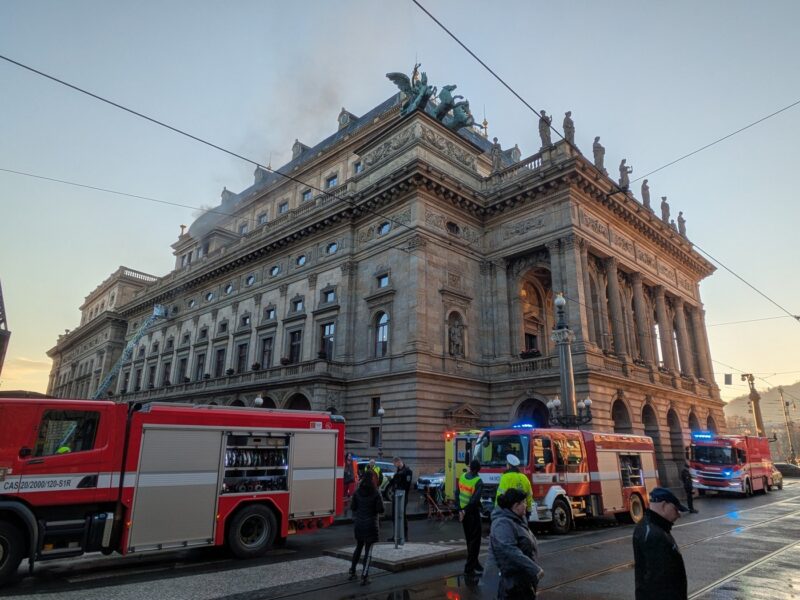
<point>381,334</point>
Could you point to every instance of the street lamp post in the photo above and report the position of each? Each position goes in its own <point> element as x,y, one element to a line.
<point>574,414</point>
<point>381,412</point>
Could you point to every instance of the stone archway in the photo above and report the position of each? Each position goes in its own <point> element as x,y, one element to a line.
<point>298,402</point>
<point>268,402</point>
<point>675,444</point>
<point>694,423</point>
<point>533,411</point>
<point>621,417</point>
<point>236,403</point>
<point>711,424</point>
<point>650,422</point>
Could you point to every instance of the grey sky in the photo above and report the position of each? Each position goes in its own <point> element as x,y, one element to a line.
<point>654,80</point>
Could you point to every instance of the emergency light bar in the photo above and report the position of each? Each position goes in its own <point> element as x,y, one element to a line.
<point>523,426</point>
<point>702,435</point>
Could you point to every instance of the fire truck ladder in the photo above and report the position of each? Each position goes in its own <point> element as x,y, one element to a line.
<point>159,312</point>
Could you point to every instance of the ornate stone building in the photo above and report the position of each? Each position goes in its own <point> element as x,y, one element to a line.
<point>82,357</point>
<point>408,266</point>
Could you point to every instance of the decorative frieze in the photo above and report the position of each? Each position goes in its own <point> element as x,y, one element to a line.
<point>622,243</point>
<point>390,146</point>
<point>449,148</point>
<point>594,225</point>
<point>520,228</point>
<point>647,260</point>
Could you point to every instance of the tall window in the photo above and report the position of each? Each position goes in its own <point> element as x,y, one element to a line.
<point>200,366</point>
<point>306,195</point>
<point>137,384</point>
<point>283,208</point>
<point>166,373</point>
<point>126,380</point>
<point>326,342</point>
<point>266,353</point>
<point>151,376</point>
<point>295,344</point>
<point>182,364</point>
<point>241,358</point>
<point>381,334</point>
<point>219,362</point>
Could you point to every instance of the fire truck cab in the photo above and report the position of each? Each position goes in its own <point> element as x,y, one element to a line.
<point>574,474</point>
<point>80,476</point>
<point>730,463</point>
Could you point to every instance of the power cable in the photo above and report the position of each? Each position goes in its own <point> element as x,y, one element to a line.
<point>619,189</point>
<point>747,321</point>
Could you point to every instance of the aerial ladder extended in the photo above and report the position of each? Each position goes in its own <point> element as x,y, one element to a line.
<point>159,312</point>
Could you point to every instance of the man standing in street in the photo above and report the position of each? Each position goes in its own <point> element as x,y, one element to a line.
<point>512,478</point>
<point>686,478</point>
<point>660,572</point>
<point>401,481</point>
<point>470,487</point>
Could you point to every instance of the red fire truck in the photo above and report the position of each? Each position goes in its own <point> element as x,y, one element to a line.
<point>81,476</point>
<point>730,463</point>
<point>573,473</point>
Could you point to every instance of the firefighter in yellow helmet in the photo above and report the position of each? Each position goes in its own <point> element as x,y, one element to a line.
<point>512,478</point>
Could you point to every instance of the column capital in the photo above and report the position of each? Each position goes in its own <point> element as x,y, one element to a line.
<point>636,278</point>
<point>349,267</point>
<point>611,261</point>
<point>553,245</point>
<point>677,302</point>
<point>570,241</point>
<point>659,291</point>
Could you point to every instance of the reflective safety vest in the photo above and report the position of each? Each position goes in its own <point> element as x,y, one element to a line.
<point>466,488</point>
<point>515,479</point>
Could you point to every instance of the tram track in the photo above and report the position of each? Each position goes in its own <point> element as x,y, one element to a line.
<point>628,564</point>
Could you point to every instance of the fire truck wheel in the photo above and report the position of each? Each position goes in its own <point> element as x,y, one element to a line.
<point>252,531</point>
<point>636,511</point>
<point>562,517</point>
<point>12,548</point>
<point>765,486</point>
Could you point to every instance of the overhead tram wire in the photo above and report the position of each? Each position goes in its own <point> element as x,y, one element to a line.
<point>200,140</point>
<point>619,190</point>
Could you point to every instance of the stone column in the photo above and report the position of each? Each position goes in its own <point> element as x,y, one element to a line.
<point>684,347</point>
<point>414,299</point>
<point>587,292</point>
<point>640,310</point>
<point>501,313</point>
<point>615,303</point>
<point>485,330</point>
<point>706,370</point>
<point>664,330</point>
<point>309,350</point>
<point>345,340</point>
<point>573,282</point>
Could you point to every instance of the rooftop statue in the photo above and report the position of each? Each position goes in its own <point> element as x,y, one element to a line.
<point>681,224</point>
<point>664,209</point>
<point>544,129</point>
<point>646,195</point>
<point>462,117</point>
<point>624,171</point>
<point>599,155</point>
<point>569,128</point>
<point>446,102</point>
<point>416,89</point>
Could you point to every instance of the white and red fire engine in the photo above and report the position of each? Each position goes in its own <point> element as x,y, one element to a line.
<point>574,474</point>
<point>81,476</point>
<point>730,463</point>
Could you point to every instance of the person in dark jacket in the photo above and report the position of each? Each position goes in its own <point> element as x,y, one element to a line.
<point>686,478</point>
<point>659,571</point>
<point>514,549</point>
<point>402,481</point>
<point>366,505</point>
<point>470,488</point>
<point>349,476</point>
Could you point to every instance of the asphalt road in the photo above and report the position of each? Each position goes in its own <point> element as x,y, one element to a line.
<point>734,548</point>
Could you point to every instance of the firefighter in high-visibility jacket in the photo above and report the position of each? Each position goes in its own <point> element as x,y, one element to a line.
<point>512,478</point>
<point>470,487</point>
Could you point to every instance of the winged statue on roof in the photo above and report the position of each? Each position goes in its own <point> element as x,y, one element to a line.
<point>449,111</point>
<point>416,89</point>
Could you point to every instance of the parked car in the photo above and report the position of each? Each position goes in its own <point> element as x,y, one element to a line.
<point>430,481</point>
<point>777,479</point>
<point>387,472</point>
<point>788,469</point>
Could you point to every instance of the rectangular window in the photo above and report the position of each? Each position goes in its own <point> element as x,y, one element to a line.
<point>137,383</point>
<point>283,208</point>
<point>332,181</point>
<point>182,364</point>
<point>244,321</point>
<point>327,331</point>
<point>241,358</point>
<point>266,353</point>
<point>269,314</point>
<point>200,367</point>
<point>242,228</point>
<point>297,305</point>
<point>151,376</point>
<point>375,437</point>
<point>328,296</point>
<point>358,167</point>
<point>306,195</point>
<point>375,405</point>
<point>223,327</point>
<point>126,380</point>
<point>185,339</point>
<point>531,343</point>
<point>63,431</point>
<point>383,281</point>
<point>263,218</point>
<point>295,345</point>
<point>204,333</point>
<point>166,373</point>
<point>170,344</point>
<point>219,362</point>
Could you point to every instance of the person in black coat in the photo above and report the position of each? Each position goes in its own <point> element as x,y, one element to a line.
<point>688,487</point>
<point>659,569</point>
<point>365,506</point>
<point>402,481</point>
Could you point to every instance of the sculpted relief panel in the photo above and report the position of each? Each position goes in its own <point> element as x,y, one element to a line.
<point>686,285</point>
<point>595,226</point>
<point>400,218</point>
<point>622,243</point>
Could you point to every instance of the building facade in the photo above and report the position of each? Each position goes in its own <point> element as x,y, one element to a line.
<point>407,266</point>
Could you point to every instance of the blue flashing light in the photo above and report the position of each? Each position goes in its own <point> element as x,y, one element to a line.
<point>727,472</point>
<point>524,426</point>
<point>702,435</point>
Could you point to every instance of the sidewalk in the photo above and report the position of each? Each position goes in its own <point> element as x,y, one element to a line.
<point>415,511</point>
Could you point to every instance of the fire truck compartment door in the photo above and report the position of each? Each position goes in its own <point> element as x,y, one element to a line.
<point>176,489</point>
<point>610,484</point>
<point>650,471</point>
<point>313,473</point>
